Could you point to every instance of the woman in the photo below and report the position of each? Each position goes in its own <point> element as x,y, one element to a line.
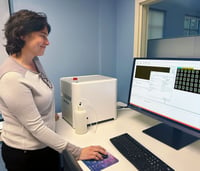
<point>27,100</point>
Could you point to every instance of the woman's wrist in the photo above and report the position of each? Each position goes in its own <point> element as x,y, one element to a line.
<point>75,150</point>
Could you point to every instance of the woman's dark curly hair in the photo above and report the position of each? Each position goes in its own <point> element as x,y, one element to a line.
<point>20,24</point>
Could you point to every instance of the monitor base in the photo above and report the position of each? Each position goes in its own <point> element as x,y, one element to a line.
<point>173,137</point>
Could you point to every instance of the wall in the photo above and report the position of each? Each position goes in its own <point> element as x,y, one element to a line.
<point>124,46</point>
<point>88,37</point>
<point>4,13</point>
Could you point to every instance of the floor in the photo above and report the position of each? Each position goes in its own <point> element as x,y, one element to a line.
<point>2,168</point>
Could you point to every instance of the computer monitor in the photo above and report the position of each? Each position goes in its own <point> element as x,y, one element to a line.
<point>168,89</point>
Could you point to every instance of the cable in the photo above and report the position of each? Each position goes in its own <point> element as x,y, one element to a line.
<point>121,105</point>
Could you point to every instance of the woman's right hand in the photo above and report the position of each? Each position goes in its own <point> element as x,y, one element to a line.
<point>92,152</point>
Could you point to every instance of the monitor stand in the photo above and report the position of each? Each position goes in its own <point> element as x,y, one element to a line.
<point>173,137</point>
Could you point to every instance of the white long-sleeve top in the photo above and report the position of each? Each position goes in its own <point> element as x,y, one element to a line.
<point>28,108</point>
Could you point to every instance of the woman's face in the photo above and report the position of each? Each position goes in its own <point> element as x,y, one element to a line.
<point>35,43</point>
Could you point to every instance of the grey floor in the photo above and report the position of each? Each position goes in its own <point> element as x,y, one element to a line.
<point>2,168</point>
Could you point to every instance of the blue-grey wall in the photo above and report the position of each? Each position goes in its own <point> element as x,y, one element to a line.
<point>124,46</point>
<point>87,37</point>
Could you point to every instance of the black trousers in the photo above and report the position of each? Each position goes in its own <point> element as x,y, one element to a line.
<point>45,159</point>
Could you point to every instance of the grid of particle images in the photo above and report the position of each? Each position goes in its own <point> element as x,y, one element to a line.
<point>188,79</point>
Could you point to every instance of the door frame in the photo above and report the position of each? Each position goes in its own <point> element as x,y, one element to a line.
<point>141,27</point>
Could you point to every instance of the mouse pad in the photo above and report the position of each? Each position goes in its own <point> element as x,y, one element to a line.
<point>97,165</point>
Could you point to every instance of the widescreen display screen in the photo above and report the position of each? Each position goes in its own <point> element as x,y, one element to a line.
<point>169,88</point>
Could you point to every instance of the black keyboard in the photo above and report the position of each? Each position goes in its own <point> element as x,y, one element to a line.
<point>138,155</point>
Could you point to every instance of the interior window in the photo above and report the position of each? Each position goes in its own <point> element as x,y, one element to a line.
<point>191,25</point>
<point>156,24</point>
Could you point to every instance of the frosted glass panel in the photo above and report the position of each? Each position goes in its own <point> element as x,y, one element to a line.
<point>174,47</point>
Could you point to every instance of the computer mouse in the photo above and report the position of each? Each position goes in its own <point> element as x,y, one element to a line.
<point>104,155</point>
